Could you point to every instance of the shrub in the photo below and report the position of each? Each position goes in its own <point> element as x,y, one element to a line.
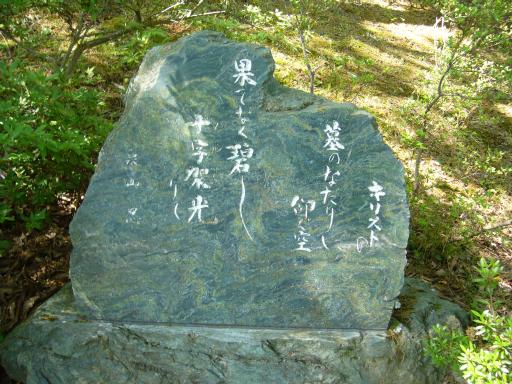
<point>50,133</point>
<point>484,354</point>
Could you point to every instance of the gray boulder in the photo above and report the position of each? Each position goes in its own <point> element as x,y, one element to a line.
<point>58,345</point>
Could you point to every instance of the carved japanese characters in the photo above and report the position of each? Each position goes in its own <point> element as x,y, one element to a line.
<point>223,198</point>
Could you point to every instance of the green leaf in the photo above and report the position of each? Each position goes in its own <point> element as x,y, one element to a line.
<point>36,220</point>
<point>4,246</point>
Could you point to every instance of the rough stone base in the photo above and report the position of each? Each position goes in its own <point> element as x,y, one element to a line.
<point>58,346</point>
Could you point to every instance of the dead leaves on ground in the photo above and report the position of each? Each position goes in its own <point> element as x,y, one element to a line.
<point>34,268</point>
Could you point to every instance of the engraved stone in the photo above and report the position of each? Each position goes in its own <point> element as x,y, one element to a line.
<point>224,198</point>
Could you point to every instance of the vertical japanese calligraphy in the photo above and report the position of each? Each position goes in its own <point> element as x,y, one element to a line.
<point>302,208</point>
<point>320,205</point>
<point>132,182</point>
<point>332,146</point>
<point>241,152</point>
<point>197,174</point>
<point>174,188</point>
<point>376,192</point>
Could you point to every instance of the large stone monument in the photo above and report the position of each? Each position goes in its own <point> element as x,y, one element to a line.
<point>235,231</point>
<point>224,198</point>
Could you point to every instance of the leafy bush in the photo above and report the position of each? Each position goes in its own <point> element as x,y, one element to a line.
<point>134,50</point>
<point>484,354</point>
<point>10,24</point>
<point>50,133</point>
<point>444,346</point>
<point>487,358</point>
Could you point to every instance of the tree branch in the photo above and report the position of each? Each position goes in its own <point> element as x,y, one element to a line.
<point>85,45</point>
<point>419,151</point>
<point>462,96</point>
<point>7,34</point>
<point>82,40</point>
<point>185,17</point>
<point>492,228</point>
<point>172,6</point>
<point>76,34</point>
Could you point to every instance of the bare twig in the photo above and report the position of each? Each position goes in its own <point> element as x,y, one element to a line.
<point>185,17</point>
<point>203,14</point>
<point>462,96</point>
<point>172,6</point>
<point>8,52</point>
<point>77,33</point>
<point>319,66</point>
<point>193,9</point>
<point>493,228</point>
<point>311,71</point>
<point>7,34</point>
<point>419,151</point>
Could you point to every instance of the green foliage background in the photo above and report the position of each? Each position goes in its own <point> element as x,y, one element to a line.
<point>50,135</point>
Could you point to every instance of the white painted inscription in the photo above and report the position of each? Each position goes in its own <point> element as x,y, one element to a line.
<point>243,72</point>
<point>302,208</point>
<point>199,123</point>
<point>196,175</point>
<point>241,152</point>
<point>331,175</point>
<point>332,143</point>
<point>376,192</point>
<point>132,162</point>
<point>198,204</point>
<point>132,216</point>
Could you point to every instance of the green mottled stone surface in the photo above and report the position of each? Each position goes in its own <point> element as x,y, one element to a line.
<point>140,256</point>
<point>57,345</point>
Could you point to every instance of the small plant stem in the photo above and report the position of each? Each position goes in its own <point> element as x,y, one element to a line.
<point>311,72</point>
<point>491,304</point>
<point>194,15</point>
